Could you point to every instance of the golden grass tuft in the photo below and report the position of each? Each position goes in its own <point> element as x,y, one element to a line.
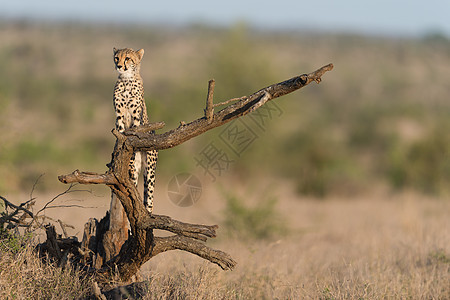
<point>340,249</point>
<point>335,249</point>
<point>24,276</point>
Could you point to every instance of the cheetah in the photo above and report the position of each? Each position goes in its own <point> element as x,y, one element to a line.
<point>130,109</point>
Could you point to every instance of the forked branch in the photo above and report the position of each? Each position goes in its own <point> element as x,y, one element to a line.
<point>200,232</point>
<point>218,257</point>
<point>243,106</point>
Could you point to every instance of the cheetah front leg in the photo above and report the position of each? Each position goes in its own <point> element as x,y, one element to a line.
<point>120,117</point>
<point>136,159</point>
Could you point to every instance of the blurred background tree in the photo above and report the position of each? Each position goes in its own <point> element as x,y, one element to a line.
<point>380,120</point>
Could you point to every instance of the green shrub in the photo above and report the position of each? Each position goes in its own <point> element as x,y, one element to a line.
<point>11,242</point>
<point>239,65</point>
<point>423,165</point>
<point>320,163</point>
<point>261,221</point>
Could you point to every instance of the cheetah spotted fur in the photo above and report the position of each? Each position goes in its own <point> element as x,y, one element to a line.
<point>130,109</point>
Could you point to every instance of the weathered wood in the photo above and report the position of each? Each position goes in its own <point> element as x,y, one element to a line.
<point>52,243</point>
<point>200,232</point>
<point>87,178</point>
<point>57,248</point>
<point>11,218</point>
<point>209,110</point>
<point>222,259</point>
<point>117,233</point>
<point>89,241</point>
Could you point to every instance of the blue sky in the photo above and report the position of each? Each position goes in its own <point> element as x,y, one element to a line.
<point>392,17</point>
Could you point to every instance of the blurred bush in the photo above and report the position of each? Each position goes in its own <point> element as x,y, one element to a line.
<point>347,135</point>
<point>423,165</point>
<point>316,160</point>
<point>240,64</point>
<point>262,221</point>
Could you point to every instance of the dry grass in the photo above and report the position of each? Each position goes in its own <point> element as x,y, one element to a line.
<point>395,248</point>
<point>24,276</point>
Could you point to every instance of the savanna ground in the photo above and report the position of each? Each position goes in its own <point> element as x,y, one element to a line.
<point>342,194</point>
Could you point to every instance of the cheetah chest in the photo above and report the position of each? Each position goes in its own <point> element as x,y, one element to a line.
<point>128,101</point>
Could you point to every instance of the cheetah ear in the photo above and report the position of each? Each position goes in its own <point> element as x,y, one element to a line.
<point>140,53</point>
<point>114,50</point>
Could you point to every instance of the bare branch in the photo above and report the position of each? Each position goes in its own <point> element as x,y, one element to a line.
<point>36,221</point>
<point>209,111</point>
<point>243,107</point>
<point>63,227</point>
<point>218,257</point>
<point>231,100</point>
<point>18,208</point>
<point>56,197</point>
<point>34,185</point>
<point>137,131</point>
<point>88,178</point>
<point>200,232</point>
<point>69,206</point>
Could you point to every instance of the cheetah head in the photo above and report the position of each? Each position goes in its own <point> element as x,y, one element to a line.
<point>127,61</point>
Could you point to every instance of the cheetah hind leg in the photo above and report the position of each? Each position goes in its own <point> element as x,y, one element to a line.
<point>135,167</point>
<point>151,158</point>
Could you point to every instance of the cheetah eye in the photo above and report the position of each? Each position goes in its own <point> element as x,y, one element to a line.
<point>127,59</point>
